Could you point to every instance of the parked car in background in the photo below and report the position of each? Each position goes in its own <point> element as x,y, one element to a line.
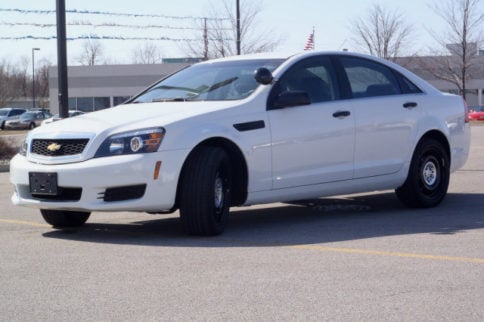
<point>476,113</point>
<point>57,117</point>
<point>248,130</point>
<point>27,120</point>
<point>10,113</point>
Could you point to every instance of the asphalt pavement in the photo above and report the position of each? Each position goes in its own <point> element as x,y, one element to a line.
<point>363,257</point>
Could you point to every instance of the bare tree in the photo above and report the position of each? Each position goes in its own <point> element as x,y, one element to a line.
<point>42,80</point>
<point>219,34</point>
<point>92,52</point>
<point>382,32</point>
<point>464,20</point>
<point>7,92</point>
<point>16,80</point>
<point>149,53</point>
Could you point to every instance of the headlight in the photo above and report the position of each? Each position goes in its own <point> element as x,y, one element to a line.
<point>140,141</point>
<point>23,148</point>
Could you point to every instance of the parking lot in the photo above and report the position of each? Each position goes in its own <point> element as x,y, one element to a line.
<point>363,257</point>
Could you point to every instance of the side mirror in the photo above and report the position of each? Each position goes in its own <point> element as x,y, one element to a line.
<point>291,98</point>
<point>263,76</point>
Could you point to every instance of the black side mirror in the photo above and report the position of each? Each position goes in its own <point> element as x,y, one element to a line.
<point>291,98</point>
<point>263,76</point>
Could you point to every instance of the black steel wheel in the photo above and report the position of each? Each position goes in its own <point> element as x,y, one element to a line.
<point>206,192</point>
<point>428,177</point>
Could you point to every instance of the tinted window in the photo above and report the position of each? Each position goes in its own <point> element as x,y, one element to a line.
<point>407,86</point>
<point>368,79</point>
<point>314,76</point>
<point>17,112</point>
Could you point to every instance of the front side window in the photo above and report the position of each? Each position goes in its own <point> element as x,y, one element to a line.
<point>314,76</point>
<point>219,81</point>
<point>369,79</point>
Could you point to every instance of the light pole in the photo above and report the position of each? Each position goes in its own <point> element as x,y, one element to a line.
<point>33,76</point>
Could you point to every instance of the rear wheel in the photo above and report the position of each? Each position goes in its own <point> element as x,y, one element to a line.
<point>428,177</point>
<point>31,125</point>
<point>206,192</point>
<point>65,219</point>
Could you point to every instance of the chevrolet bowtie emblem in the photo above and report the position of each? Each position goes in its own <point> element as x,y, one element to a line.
<point>54,147</point>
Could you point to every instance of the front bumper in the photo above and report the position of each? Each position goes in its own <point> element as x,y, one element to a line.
<point>17,126</point>
<point>96,176</point>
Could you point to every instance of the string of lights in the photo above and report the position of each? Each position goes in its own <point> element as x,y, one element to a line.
<point>100,25</point>
<point>107,13</point>
<point>97,37</point>
<point>180,27</point>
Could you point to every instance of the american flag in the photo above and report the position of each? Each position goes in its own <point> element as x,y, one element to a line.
<point>310,42</point>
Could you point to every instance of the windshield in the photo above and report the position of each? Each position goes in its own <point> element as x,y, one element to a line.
<point>28,115</point>
<point>3,112</point>
<point>219,81</point>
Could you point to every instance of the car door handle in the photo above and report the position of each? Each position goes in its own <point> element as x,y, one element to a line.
<point>410,105</point>
<point>341,114</point>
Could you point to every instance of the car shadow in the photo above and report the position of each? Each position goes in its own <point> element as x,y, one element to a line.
<point>316,221</point>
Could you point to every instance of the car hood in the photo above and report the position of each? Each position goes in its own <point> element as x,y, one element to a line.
<point>129,117</point>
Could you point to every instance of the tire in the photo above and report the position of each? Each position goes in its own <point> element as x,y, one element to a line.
<point>65,219</point>
<point>2,126</point>
<point>206,192</point>
<point>31,126</point>
<point>428,176</point>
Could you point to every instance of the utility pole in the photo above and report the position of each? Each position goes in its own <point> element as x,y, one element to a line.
<point>33,76</point>
<point>63,95</point>
<point>238,26</point>
<point>205,39</point>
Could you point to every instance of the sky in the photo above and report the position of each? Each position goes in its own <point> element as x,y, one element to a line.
<point>291,21</point>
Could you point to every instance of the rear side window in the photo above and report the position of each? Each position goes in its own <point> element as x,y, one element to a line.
<point>369,79</point>
<point>17,112</point>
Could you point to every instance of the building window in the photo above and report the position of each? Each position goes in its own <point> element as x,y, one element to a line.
<point>72,103</point>
<point>85,104</point>
<point>120,99</point>
<point>101,103</point>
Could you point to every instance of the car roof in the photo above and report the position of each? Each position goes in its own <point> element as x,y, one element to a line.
<point>13,108</point>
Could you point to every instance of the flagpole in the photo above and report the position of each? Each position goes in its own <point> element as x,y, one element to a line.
<point>314,40</point>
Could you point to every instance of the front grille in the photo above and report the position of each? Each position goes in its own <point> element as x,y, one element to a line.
<point>123,193</point>
<point>58,147</point>
<point>63,194</point>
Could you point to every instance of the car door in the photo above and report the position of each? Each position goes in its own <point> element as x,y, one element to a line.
<point>312,143</point>
<point>386,107</point>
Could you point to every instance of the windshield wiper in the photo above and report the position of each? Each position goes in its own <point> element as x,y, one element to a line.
<point>174,99</point>
<point>222,84</point>
<point>186,89</point>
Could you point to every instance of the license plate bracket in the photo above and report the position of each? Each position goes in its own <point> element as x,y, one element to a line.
<point>43,183</point>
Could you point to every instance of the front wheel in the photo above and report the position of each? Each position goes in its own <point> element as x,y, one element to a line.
<point>206,192</point>
<point>428,176</point>
<point>31,126</point>
<point>65,219</point>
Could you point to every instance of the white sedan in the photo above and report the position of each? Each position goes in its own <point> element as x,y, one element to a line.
<point>247,130</point>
